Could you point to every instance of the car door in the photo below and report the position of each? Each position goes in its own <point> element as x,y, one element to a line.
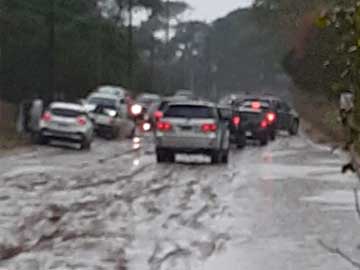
<point>283,115</point>
<point>287,117</point>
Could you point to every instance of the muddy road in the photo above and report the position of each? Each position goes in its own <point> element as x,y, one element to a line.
<point>115,208</point>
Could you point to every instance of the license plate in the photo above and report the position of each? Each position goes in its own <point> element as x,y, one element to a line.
<point>186,128</point>
<point>102,119</point>
<point>248,133</point>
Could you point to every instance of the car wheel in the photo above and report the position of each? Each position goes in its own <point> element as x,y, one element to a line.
<point>86,145</point>
<point>161,156</point>
<point>170,157</point>
<point>225,157</point>
<point>294,128</point>
<point>264,141</point>
<point>241,144</point>
<point>41,140</point>
<point>273,135</point>
<point>215,157</point>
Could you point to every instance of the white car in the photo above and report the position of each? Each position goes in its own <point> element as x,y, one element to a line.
<point>192,127</point>
<point>107,113</point>
<point>101,97</point>
<point>112,90</point>
<point>66,122</point>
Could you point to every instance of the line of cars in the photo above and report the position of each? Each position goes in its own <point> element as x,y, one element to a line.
<point>102,113</point>
<point>105,112</point>
<point>201,127</point>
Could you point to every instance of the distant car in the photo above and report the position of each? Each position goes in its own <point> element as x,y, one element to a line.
<point>146,100</point>
<point>265,106</point>
<point>287,119</point>
<point>66,122</point>
<point>112,92</point>
<point>185,93</point>
<point>192,127</point>
<point>249,124</point>
<point>106,113</point>
<point>143,103</point>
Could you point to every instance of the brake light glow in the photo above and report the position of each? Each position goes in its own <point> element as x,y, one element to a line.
<point>163,126</point>
<point>264,123</point>
<point>271,117</point>
<point>256,105</point>
<point>46,117</point>
<point>206,128</point>
<point>81,121</point>
<point>236,120</point>
<point>158,115</point>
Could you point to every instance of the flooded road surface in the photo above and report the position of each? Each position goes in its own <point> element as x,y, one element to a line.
<point>115,208</point>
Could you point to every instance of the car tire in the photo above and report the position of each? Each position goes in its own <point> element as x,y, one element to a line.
<point>241,144</point>
<point>215,157</point>
<point>273,135</point>
<point>86,145</point>
<point>41,140</point>
<point>162,156</point>
<point>264,141</point>
<point>170,157</point>
<point>294,129</point>
<point>225,157</point>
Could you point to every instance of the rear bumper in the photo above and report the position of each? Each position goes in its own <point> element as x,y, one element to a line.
<point>62,135</point>
<point>187,144</point>
<point>242,135</point>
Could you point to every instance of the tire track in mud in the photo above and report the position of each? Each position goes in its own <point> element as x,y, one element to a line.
<point>193,199</point>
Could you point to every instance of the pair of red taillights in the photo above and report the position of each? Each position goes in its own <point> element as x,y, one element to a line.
<point>47,117</point>
<point>269,119</point>
<point>166,126</point>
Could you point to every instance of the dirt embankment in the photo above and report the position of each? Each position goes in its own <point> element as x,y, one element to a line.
<point>320,117</point>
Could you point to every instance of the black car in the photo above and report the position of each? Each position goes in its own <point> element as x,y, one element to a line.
<point>249,124</point>
<point>270,113</point>
<point>285,117</point>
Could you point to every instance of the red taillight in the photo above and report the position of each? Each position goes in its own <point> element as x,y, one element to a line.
<point>236,120</point>
<point>271,117</point>
<point>208,128</point>
<point>256,105</point>
<point>264,123</point>
<point>46,117</point>
<point>163,126</point>
<point>81,121</point>
<point>158,115</point>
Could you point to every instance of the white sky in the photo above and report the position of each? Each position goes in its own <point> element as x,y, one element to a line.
<point>209,10</point>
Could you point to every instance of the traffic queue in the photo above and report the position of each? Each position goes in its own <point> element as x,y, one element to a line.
<point>180,124</point>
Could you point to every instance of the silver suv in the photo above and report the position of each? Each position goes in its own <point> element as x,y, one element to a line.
<point>192,127</point>
<point>66,122</point>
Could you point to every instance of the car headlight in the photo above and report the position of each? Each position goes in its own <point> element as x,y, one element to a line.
<point>136,109</point>
<point>111,113</point>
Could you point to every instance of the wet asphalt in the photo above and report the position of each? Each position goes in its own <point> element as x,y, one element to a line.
<point>115,208</point>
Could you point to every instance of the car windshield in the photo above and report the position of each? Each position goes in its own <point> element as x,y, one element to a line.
<point>66,112</point>
<point>189,111</point>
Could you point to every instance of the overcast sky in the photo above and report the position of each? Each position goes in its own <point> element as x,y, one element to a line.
<point>210,10</point>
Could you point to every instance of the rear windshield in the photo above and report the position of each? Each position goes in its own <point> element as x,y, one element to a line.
<point>188,111</point>
<point>66,113</point>
<point>251,117</point>
<point>105,102</point>
<point>249,103</point>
